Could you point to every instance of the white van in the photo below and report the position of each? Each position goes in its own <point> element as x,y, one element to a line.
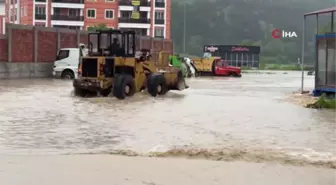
<point>66,64</point>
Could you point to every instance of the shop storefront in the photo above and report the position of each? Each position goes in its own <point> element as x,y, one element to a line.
<point>240,56</point>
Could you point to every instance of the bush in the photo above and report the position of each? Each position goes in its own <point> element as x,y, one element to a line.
<point>324,102</point>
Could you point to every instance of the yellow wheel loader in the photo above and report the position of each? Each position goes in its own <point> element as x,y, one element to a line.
<point>114,65</point>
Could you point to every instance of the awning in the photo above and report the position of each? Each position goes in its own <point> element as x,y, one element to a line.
<point>327,10</point>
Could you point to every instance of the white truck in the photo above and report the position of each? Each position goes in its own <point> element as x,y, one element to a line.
<point>66,64</point>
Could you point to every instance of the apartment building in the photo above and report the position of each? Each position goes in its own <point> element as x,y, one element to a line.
<point>2,17</point>
<point>153,16</point>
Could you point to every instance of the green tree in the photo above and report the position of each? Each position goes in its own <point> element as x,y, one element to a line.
<point>247,22</point>
<point>327,28</point>
<point>247,43</point>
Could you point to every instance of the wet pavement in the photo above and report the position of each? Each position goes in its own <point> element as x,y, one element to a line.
<point>221,118</point>
<point>121,170</point>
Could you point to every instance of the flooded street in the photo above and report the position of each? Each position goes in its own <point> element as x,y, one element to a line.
<point>219,118</point>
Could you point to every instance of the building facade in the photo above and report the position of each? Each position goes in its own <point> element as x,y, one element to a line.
<point>153,15</point>
<point>2,17</point>
<point>236,55</point>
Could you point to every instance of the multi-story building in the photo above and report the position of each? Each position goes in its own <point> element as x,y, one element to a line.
<point>2,16</point>
<point>154,15</point>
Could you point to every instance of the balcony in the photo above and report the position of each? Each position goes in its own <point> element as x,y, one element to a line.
<point>159,21</point>
<point>136,21</point>
<point>40,17</point>
<point>129,3</point>
<point>66,18</point>
<point>69,1</point>
<point>159,4</point>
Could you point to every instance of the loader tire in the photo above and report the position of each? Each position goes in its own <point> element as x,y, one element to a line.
<point>123,86</point>
<point>156,85</point>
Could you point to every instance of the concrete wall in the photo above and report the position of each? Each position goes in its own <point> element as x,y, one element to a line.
<point>28,51</point>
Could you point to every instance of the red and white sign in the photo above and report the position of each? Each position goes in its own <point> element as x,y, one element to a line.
<point>239,49</point>
<point>211,49</point>
<point>277,34</point>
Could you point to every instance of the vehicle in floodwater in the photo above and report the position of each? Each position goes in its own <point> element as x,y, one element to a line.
<point>66,64</point>
<point>215,66</point>
<point>113,65</point>
<point>221,67</point>
<point>184,64</point>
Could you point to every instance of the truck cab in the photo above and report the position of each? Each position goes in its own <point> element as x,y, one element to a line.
<point>67,60</point>
<point>222,68</point>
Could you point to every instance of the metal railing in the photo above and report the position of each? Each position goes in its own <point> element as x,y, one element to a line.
<point>130,20</point>
<point>160,4</point>
<point>67,18</point>
<point>129,3</point>
<point>159,21</point>
<point>69,1</point>
<point>40,16</point>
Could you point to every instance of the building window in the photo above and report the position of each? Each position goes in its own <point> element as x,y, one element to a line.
<point>40,10</point>
<point>159,32</point>
<point>109,14</point>
<point>109,1</point>
<point>25,11</point>
<point>74,12</point>
<point>159,15</point>
<point>40,25</point>
<point>126,14</point>
<point>91,13</point>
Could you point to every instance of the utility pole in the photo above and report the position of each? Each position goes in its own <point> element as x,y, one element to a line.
<point>184,27</point>
<point>302,75</point>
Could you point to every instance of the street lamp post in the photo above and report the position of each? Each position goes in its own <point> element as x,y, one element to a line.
<point>184,27</point>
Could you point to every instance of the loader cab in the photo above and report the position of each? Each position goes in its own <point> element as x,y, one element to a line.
<point>112,43</point>
<point>207,55</point>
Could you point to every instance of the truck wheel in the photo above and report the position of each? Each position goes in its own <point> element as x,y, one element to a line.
<point>156,85</point>
<point>123,86</point>
<point>67,74</point>
<point>231,74</point>
<point>213,68</point>
<point>80,92</point>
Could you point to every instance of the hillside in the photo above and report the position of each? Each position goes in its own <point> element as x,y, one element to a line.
<point>247,22</point>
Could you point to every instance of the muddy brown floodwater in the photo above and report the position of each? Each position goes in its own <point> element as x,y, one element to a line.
<point>244,119</point>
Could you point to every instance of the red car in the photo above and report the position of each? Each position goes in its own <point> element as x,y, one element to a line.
<point>220,67</point>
